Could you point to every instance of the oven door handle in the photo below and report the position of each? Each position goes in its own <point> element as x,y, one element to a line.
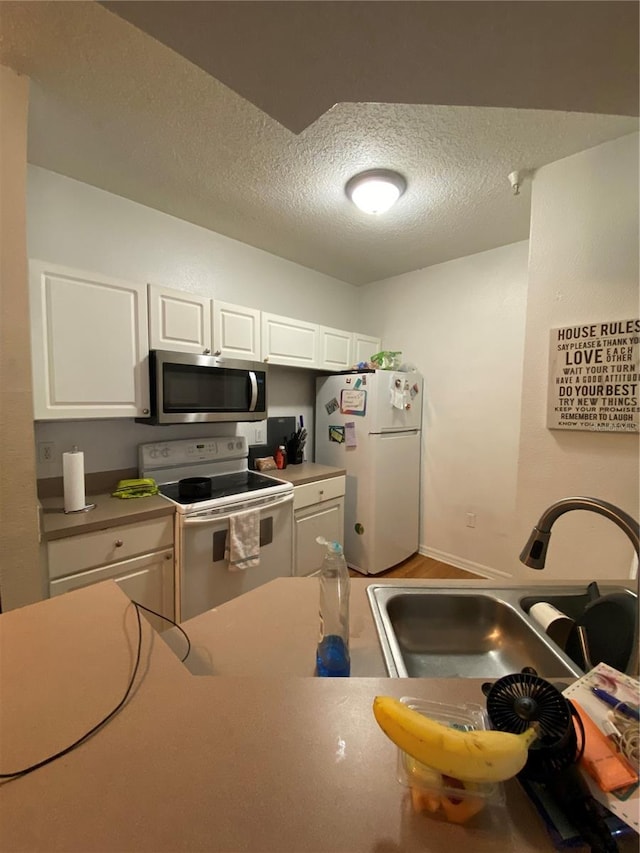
<point>254,391</point>
<point>214,518</point>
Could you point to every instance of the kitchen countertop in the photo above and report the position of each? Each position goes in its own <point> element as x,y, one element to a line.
<point>245,636</point>
<point>109,512</point>
<point>306,472</point>
<point>271,762</point>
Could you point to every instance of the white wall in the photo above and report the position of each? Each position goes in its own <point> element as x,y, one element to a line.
<point>462,324</point>
<point>80,226</point>
<point>583,269</point>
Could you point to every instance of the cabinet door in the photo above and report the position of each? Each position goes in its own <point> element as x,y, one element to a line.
<point>364,347</point>
<point>89,345</point>
<point>179,321</point>
<point>287,341</point>
<point>335,349</point>
<point>236,331</point>
<point>147,580</point>
<point>324,519</point>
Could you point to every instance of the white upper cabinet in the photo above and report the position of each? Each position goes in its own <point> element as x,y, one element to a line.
<point>236,331</point>
<point>89,344</point>
<point>364,347</point>
<point>179,321</point>
<point>335,349</point>
<point>287,341</point>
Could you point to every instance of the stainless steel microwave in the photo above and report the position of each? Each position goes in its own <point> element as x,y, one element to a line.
<point>188,388</point>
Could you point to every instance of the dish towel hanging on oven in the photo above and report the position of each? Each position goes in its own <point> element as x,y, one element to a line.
<point>243,541</point>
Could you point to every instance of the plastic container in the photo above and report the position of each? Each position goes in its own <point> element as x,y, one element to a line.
<point>442,796</point>
<point>332,653</point>
<point>387,360</point>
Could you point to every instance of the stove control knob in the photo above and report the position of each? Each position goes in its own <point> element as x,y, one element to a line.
<point>238,445</point>
<point>153,453</point>
<point>165,452</point>
<point>230,445</point>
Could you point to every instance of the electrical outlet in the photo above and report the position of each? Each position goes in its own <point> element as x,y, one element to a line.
<point>471,519</point>
<point>45,452</point>
<point>259,435</point>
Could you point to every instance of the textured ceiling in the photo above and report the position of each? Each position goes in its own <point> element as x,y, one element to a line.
<point>118,109</point>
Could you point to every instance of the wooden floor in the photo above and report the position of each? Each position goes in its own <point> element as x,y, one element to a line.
<point>420,567</point>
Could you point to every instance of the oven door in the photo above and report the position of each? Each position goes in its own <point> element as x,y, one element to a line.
<point>191,388</point>
<point>204,577</point>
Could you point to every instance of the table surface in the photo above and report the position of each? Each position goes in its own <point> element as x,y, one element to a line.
<point>268,762</point>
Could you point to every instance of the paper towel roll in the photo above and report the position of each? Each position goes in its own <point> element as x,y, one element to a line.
<point>556,624</point>
<point>73,480</point>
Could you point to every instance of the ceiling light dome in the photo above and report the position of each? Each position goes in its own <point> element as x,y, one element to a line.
<point>376,190</point>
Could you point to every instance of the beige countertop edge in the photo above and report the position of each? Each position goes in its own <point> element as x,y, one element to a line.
<point>266,764</point>
<point>306,472</point>
<point>109,512</point>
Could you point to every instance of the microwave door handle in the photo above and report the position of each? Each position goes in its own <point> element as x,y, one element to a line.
<point>254,391</point>
<point>211,519</point>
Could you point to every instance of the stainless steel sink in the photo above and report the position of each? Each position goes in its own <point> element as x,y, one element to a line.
<point>455,632</point>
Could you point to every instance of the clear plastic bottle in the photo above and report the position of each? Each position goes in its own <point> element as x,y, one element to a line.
<point>332,654</point>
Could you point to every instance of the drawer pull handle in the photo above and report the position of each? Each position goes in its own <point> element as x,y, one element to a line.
<point>119,543</point>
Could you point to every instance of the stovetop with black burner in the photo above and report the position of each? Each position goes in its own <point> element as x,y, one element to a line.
<point>222,486</point>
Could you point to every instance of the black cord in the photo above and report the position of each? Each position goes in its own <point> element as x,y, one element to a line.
<point>111,714</point>
<point>175,625</point>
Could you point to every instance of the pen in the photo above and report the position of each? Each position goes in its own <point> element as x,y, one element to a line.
<point>625,709</point>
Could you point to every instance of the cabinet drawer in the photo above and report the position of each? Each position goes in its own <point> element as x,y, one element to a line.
<point>85,551</point>
<point>322,490</point>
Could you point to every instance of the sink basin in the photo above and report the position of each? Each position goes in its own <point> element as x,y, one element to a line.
<point>448,633</point>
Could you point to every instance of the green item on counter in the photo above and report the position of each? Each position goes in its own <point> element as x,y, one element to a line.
<point>136,488</point>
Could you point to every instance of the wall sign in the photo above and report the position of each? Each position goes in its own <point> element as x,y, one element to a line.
<point>594,377</point>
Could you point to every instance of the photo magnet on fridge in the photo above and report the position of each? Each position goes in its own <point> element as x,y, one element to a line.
<point>331,406</point>
<point>336,433</point>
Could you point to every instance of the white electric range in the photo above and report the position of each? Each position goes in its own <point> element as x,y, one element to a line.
<point>208,482</point>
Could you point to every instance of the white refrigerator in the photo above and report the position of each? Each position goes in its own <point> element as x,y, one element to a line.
<point>369,424</point>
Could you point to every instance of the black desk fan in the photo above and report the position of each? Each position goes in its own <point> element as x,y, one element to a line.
<point>513,703</point>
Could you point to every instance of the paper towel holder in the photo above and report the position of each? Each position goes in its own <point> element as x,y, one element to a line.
<point>75,472</point>
<point>85,508</point>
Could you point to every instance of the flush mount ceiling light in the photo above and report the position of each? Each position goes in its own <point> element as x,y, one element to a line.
<point>376,190</point>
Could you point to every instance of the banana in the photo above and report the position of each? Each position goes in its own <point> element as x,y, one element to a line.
<point>474,756</point>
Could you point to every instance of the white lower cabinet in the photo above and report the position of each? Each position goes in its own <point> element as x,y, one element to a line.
<point>318,510</point>
<point>148,577</point>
